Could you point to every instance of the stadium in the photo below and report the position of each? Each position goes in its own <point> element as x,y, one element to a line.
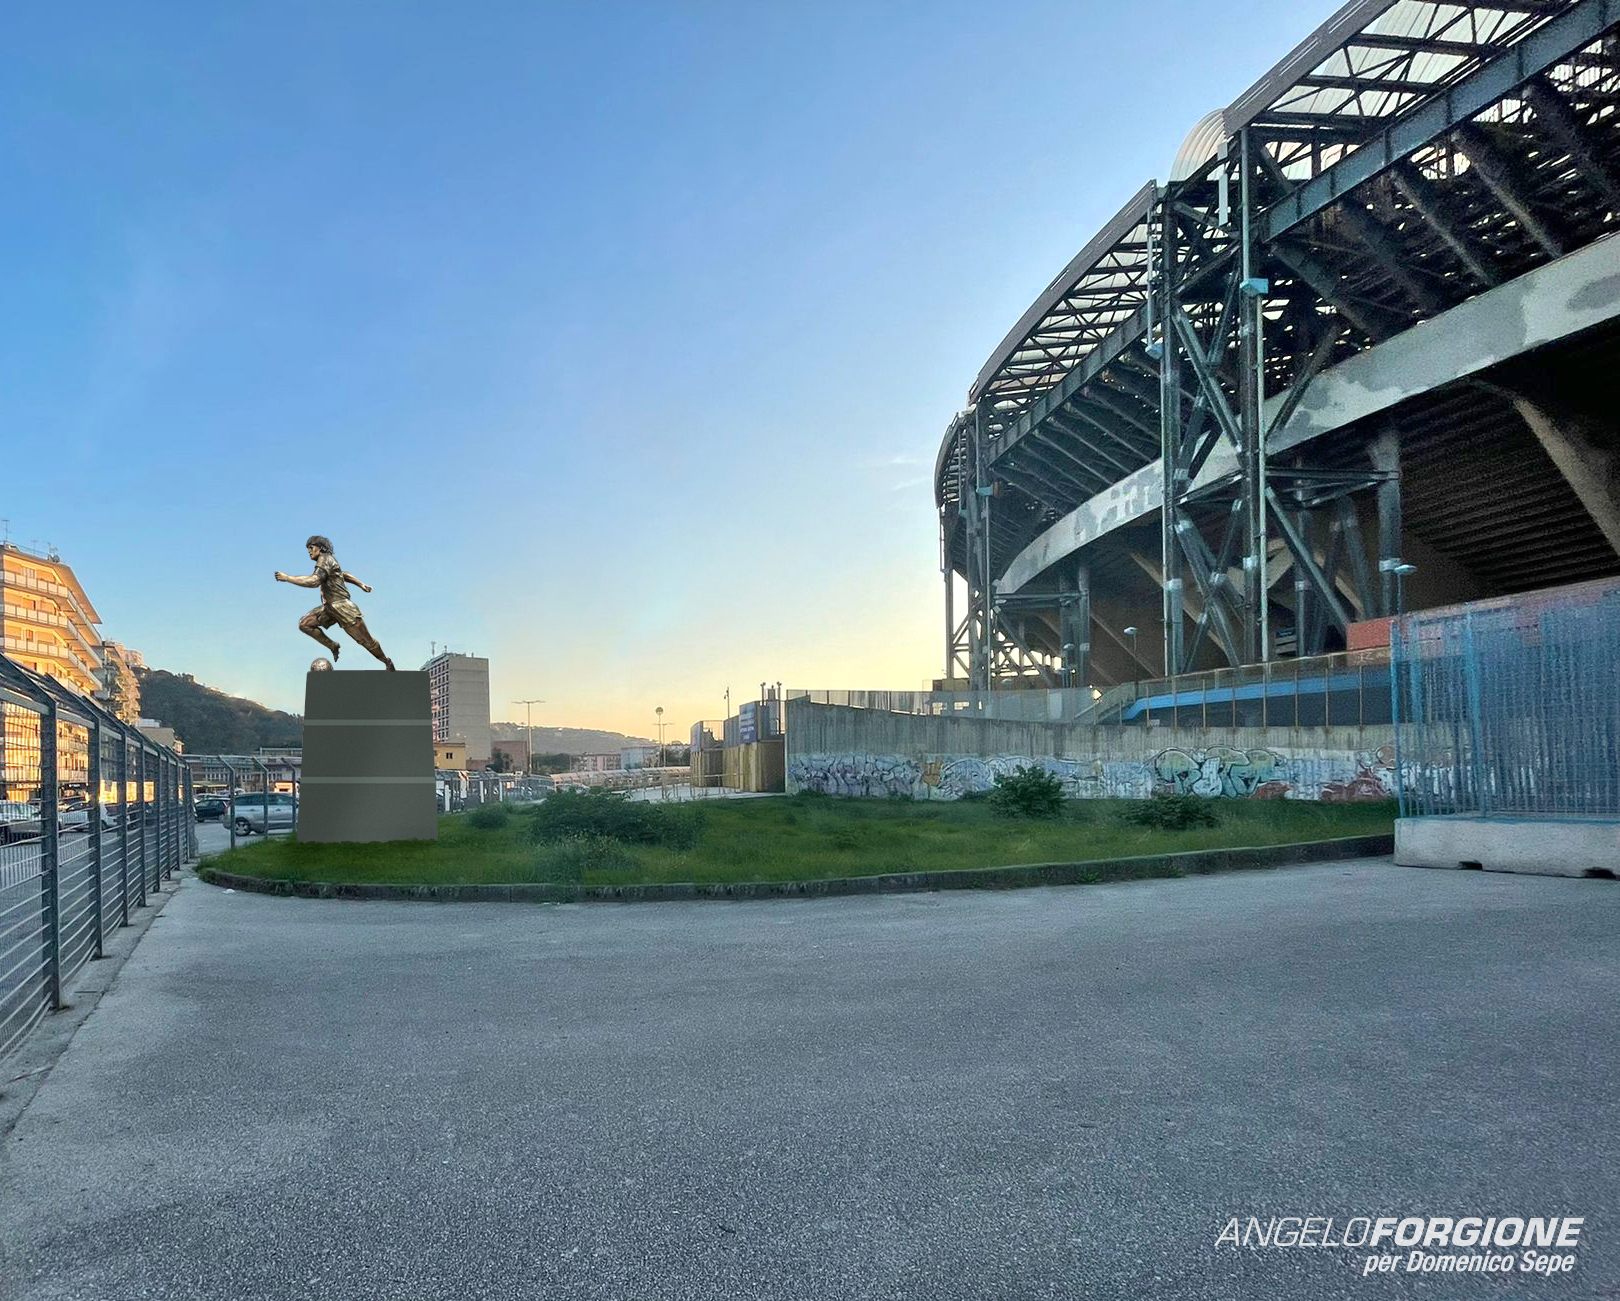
<point>1352,356</point>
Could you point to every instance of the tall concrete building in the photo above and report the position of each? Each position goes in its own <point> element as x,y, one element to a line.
<point>458,689</point>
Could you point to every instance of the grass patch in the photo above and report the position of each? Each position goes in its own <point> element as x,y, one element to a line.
<point>796,839</point>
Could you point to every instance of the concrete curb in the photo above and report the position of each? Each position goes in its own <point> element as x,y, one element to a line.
<point>1197,863</point>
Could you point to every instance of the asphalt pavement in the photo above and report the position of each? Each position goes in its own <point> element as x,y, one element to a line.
<point>1055,1093</point>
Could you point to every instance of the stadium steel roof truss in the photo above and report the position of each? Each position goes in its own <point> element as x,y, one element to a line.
<point>1403,159</point>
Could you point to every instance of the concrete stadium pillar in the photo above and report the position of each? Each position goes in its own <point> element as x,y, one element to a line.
<point>1574,444</point>
<point>1074,626</point>
<point>1385,452</point>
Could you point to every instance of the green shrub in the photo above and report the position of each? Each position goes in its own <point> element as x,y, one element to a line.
<point>567,814</point>
<point>1027,793</point>
<point>567,861</point>
<point>1173,813</point>
<point>487,817</point>
<point>845,838</point>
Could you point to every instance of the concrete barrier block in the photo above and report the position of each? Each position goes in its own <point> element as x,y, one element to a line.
<point>1543,846</point>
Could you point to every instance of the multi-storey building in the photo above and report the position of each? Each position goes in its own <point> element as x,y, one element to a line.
<point>120,689</point>
<point>47,623</point>
<point>458,687</point>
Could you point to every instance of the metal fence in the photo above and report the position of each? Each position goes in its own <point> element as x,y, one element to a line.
<point>1347,689</point>
<point>93,817</point>
<point>251,803</point>
<point>1343,689</point>
<point>1511,710</point>
<point>1041,705</point>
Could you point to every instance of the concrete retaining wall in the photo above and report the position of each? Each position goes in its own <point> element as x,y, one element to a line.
<point>841,751</point>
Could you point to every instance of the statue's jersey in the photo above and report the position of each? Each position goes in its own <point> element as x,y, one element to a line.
<point>334,591</point>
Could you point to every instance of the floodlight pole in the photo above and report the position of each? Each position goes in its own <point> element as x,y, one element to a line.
<point>528,728</point>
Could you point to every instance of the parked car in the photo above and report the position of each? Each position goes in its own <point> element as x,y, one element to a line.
<point>211,808</point>
<point>19,821</point>
<point>247,814</point>
<point>76,817</point>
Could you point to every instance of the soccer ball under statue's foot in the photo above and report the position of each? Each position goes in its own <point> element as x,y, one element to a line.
<point>319,665</point>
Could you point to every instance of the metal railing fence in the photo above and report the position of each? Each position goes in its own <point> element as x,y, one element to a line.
<point>251,803</point>
<point>1039,705</point>
<point>93,817</point>
<point>1348,689</point>
<point>1342,689</point>
<point>1510,711</point>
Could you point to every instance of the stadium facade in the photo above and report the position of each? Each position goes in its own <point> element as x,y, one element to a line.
<point>1360,348</point>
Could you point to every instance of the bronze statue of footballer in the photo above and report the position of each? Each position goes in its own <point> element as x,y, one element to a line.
<point>335,606</point>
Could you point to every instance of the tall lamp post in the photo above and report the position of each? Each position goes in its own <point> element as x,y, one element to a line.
<point>1136,664</point>
<point>528,728</point>
<point>660,712</point>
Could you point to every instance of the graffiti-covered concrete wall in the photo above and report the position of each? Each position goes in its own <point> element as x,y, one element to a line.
<point>841,751</point>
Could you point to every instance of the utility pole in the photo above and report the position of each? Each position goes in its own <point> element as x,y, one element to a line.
<point>528,727</point>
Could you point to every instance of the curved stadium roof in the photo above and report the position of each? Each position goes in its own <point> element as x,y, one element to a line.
<point>1367,64</point>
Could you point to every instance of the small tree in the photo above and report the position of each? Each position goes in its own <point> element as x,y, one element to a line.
<point>1027,793</point>
<point>1172,813</point>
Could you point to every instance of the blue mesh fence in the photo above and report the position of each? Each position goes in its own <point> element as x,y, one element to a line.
<point>1511,709</point>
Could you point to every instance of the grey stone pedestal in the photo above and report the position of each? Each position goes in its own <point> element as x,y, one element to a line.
<point>368,758</point>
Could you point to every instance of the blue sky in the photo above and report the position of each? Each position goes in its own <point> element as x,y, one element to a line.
<point>613,342</point>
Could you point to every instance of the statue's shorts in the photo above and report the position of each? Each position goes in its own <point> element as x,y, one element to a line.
<point>344,612</point>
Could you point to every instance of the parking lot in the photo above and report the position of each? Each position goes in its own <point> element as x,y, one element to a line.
<point>1049,1093</point>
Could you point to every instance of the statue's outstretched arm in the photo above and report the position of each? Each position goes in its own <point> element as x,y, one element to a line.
<point>311,580</point>
<point>350,578</point>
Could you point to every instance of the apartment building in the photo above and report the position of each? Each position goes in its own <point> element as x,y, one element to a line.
<point>458,689</point>
<point>120,689</point>
<point>47,623</point>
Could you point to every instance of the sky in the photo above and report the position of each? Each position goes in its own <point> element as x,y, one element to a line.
<point>613,342</point>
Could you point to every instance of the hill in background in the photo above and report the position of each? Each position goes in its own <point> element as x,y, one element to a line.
<point>567,740</point>
<point>206,721</point>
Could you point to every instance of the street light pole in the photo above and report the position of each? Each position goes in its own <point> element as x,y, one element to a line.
<point>1401,571</point>
<point>660,713</point>
<point>1136,666</point>
<point>528,728</point>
